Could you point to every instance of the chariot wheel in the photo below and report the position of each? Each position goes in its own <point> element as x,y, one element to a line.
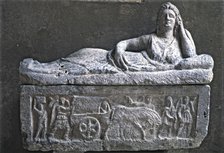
<point>89,128</point>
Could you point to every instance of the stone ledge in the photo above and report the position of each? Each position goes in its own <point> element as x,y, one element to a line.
<point>171,77</point>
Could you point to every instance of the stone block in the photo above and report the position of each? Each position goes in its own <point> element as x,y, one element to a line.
<point>111,118</point>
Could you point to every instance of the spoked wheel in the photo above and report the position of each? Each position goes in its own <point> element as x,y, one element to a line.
<point>89,128</point>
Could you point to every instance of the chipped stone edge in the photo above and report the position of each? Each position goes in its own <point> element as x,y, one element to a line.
<point>171,77</point>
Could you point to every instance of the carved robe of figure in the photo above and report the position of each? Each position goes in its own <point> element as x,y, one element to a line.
<point>169,118</point>
<point>60,117</point>
<point>185,117</point>
<point>42,120</point>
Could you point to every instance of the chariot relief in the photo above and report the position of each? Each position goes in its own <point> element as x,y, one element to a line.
<point>57,118</point>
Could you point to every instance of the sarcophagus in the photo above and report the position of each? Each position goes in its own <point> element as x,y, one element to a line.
<point>148,93</point>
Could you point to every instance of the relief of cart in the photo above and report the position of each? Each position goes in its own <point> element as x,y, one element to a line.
<point>91,126</point>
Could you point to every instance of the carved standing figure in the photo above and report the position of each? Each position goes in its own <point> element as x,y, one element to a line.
<point>148,101</point>
<point>169,117</point>
<point>60,117</point>
<point>170,46</point>
<point>42,118</point>
<point>185,110</point>
<point>104,107</point>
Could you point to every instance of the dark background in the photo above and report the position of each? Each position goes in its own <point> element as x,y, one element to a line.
<point>47,30</point>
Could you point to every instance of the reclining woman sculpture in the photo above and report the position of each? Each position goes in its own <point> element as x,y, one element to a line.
<point>170,47</point>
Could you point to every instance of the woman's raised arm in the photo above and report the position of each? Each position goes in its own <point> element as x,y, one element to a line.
<point>187,43</point>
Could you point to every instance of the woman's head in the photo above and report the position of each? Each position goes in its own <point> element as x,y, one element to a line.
<point>167,18</point>
<point>186,100</point>
<point>169,101</point>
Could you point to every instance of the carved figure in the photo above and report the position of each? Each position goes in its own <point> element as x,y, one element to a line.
<point>185,110</point>
<point>148,100</point>
<point>137,116</point>
<point>42,117</point>
<point>104,107</point>
<point>170,47</point>
<point>60,117</point>
<point>169,118</point>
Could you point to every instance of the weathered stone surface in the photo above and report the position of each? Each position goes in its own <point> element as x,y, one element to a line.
<point>169,51</point>
<point>170,77</point>
<point>68,115</point>
<point>106,118</point>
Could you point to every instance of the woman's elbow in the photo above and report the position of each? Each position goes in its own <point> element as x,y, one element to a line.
<point>121,44</point>
<point>190,52</point>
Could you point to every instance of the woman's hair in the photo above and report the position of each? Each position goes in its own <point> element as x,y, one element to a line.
<point>172,7</point>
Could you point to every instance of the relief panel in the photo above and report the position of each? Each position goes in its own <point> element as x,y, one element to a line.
<point>112,115</point>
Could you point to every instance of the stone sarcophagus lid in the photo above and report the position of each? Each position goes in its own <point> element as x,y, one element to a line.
<point>148,93</point>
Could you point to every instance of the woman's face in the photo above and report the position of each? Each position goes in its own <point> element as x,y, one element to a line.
<point>186,100</point>
<point>167,19</point>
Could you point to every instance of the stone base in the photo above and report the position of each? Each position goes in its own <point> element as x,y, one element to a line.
<point>67,118</point>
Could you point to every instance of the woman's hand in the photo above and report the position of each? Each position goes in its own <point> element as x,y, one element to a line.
<point>119,56</point>
<point>180,22</point>
<point>135,45</point>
